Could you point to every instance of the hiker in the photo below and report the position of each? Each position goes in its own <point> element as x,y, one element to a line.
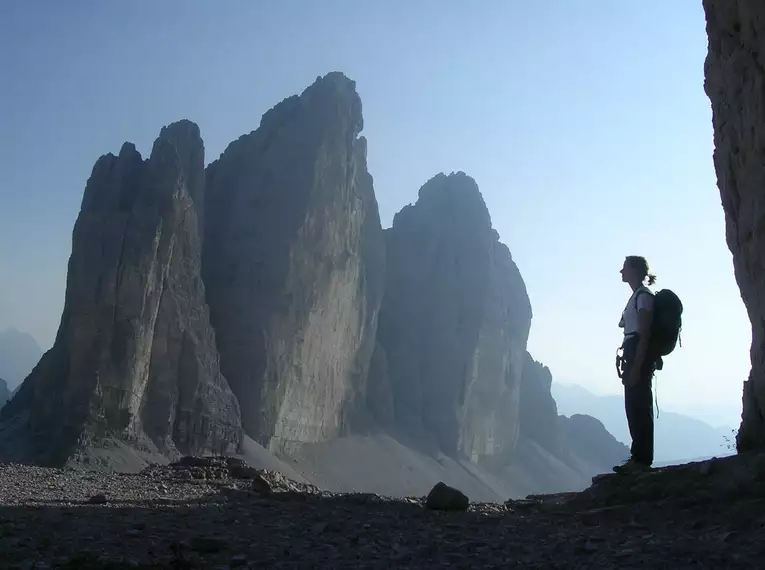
<point>637,363</point>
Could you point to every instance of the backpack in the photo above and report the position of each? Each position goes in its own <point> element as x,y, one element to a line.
<point>667,322</point>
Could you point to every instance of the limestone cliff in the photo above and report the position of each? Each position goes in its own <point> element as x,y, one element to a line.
<point>293,264</point>
<point>735,84</point>
<point>454,322</point>
<point>134,357</point>
<point>248,296</point>
<point>538,415</point>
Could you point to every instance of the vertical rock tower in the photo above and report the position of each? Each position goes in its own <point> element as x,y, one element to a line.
<point>294,264</point>
<point>135,356</point>
<point>454,322</point>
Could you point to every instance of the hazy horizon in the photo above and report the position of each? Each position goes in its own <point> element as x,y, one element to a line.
<point>568,117</point>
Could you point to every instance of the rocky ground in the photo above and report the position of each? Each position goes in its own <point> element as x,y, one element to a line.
<point>223,514</point>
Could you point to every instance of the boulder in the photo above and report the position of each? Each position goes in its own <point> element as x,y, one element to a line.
<point>442,497</point>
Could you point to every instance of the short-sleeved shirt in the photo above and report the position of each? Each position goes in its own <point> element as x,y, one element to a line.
<point>629,321</point>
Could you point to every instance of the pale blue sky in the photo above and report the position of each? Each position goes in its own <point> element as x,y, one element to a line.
<point>584,123</point>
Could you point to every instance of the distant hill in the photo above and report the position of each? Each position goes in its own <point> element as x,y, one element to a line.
<point>19,353</point>
<point>678,437</point>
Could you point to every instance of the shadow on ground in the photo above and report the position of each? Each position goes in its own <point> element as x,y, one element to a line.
<point>704,515</point>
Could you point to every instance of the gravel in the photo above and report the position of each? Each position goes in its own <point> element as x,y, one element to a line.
<point>219,513</point>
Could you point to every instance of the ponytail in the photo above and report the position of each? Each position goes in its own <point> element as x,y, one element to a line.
<point>651,279</point>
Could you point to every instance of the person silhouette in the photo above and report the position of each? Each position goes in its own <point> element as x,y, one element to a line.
<point>635,365</point>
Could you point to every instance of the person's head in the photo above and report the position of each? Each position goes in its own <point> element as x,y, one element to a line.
<point>635,271</point>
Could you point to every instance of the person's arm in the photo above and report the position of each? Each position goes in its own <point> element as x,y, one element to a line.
<point>645,318</point>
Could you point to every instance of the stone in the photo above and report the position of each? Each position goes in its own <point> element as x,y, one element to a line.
<point>734,73</point>
<point>730,479</point>
<point>442,497</point>
<point>208,544</point>
<point>672,517</point>
<point>261,485</point>
<point>293,266</point>
<point>99,499</point>
<point>242,472</point>
<point>454,322</point>
<point>134,358</point>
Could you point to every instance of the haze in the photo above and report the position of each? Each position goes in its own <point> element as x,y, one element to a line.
<point>585,125</point>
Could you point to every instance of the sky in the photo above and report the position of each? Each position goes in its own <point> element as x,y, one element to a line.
<point>585,124</point>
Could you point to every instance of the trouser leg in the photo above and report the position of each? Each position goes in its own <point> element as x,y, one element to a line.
<point>638,401</point>
<point>638,404</point>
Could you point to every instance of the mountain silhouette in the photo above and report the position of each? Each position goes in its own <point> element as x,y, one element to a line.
<point>678,437</point>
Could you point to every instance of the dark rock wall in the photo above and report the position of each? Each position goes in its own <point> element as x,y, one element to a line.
<point>735,83</point>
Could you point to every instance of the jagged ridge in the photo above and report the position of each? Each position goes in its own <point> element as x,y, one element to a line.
<point>284,230</point>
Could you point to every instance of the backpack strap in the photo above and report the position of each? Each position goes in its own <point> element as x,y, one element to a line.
<point>639,291</point>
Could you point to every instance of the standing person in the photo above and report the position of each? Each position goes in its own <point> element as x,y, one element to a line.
<point>637,364</point>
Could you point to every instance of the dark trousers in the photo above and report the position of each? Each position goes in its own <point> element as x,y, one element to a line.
<point>638,403</point>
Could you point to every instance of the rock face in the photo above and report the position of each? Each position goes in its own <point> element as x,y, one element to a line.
<point>735,84</point>
<point>293,265</point>
<point>538,414</point>
<point>454,322</point>
<point>5,394</point>
<point>584,438</point>
<point>247,297</point>
<point>135,356</point>
<point>442,497</point>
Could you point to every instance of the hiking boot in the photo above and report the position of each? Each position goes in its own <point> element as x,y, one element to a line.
<point>632,466</point>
